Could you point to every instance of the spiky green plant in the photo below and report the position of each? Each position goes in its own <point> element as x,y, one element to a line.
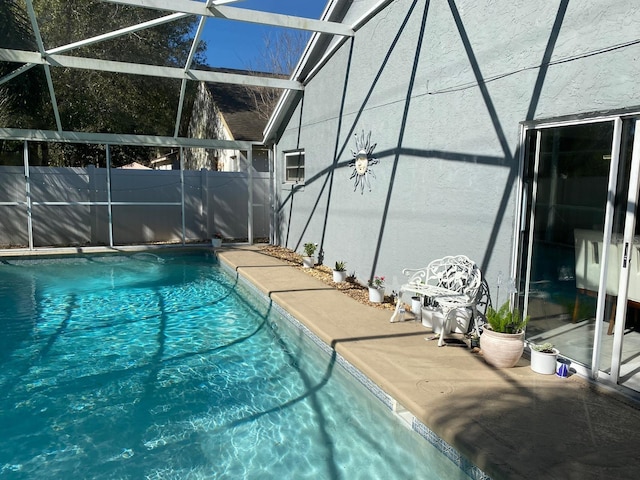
<point>340,266</point>
<point>504,320</point>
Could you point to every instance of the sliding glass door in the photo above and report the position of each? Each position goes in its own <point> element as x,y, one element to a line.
<point>578,231</point>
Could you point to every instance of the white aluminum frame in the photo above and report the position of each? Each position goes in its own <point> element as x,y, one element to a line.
<point>181,9</point>
<point>593,372</point>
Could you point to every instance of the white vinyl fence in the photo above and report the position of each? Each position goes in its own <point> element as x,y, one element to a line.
<point>50,206</point>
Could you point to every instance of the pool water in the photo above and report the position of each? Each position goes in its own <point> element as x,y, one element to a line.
<point>148,367</point>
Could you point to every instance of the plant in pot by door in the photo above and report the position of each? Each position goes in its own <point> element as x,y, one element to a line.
<point>339,272</point>
<point>502,339</point>
<point>308,260</point>
<point>376,289</point>
<point>543,358</point>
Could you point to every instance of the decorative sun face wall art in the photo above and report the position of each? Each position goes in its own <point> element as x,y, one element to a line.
<point>362,162</point>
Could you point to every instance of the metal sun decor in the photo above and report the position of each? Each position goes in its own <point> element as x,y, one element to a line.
<point>362,162</point>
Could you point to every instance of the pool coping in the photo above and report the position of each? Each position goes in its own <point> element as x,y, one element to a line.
<point>510,423</point>
<point>401,414</point>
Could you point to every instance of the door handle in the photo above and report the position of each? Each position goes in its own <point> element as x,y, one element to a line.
<point>625,255</point>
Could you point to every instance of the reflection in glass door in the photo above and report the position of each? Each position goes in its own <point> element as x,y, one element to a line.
<point>580,245</point>
<point>569,173</point>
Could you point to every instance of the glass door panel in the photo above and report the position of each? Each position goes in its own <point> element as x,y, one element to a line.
<point>625,344</point>
<point>569,170</point>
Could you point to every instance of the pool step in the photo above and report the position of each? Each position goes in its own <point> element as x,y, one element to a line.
<point>404,415</point>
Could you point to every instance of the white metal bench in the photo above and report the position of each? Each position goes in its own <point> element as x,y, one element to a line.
<point>451,282</point>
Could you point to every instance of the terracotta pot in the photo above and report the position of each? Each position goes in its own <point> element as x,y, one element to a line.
<point>501,350</point>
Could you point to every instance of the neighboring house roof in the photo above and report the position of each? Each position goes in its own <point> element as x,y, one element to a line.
<point>239,109</point>
<point>135,166</point>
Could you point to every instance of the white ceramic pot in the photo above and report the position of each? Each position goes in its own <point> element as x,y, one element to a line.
<point>376,295</point>
<point>416,307</point>
<point>432,318</point>
<point>339,276</point>
<point>216,242</point>
<point>308,262</point>
<point>544,363</point>
<point>502,350</point>
<point>460,319</point>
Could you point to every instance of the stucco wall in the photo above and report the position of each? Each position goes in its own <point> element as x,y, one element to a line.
<point>443,87</point>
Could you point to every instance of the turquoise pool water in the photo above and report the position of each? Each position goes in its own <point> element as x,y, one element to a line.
<point>147,367</point>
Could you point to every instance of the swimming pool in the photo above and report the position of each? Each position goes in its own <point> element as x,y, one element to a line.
<point>163,367</point>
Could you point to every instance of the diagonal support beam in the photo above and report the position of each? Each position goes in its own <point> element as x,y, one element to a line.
<point>183,86</point>
<point>47,70</point>
<point>119,33</point>
<point>99,38</point>
<point>16,72</point>
<point>242,15</point>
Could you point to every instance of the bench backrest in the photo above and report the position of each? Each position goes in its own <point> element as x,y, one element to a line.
<point>457,273</point>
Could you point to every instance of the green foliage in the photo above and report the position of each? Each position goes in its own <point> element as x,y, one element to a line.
<point>505,320</point>
<point>544,347</point>
<point>310,249</point>
<point>340,266</point>
<point>93,101</point>
<point>20,97</point>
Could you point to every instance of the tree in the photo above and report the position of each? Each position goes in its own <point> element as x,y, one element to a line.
<point>94,101</point>
<point>20,97</point>
<point>279,55</point>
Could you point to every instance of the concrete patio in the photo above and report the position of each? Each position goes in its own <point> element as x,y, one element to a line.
<point>511,423</point>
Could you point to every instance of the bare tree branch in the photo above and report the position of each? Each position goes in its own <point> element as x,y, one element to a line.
<point>279,55</point>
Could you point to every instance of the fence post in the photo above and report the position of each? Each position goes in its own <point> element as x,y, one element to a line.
<point>204,209</point>
<point>182,194</point>
<point>250,181</point>
<point>27,187</point>
<point>109,206</point>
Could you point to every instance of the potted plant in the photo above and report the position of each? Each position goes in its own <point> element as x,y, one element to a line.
<point>216,241</point>
<point>502,339</point>
<point>339,272</point>
<point>308,260</point>
<point>376,289</point>
<point>543,358</point>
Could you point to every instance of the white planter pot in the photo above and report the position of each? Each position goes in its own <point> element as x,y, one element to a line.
<point>216,242</point>
<point>432,318</point>
<point>416,307</point>
<point>376,295</point>
<point>460,319</point>
<point>544,363</point>
<point>308,262</point>
<point>339,276</point>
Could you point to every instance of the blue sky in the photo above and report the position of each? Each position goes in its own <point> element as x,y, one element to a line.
<point>237,44</point>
